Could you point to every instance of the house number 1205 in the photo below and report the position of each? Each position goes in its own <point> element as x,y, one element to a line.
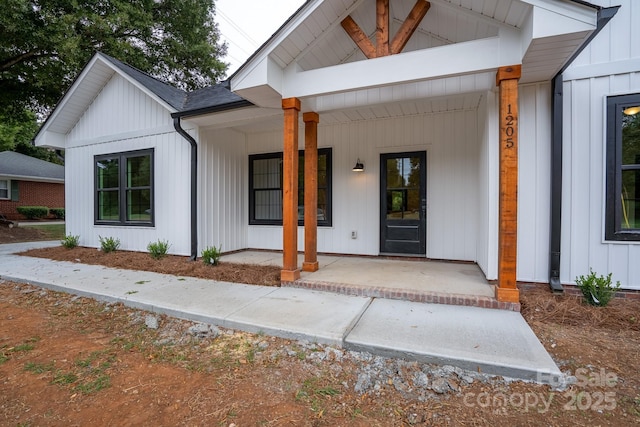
<point>509,129</point>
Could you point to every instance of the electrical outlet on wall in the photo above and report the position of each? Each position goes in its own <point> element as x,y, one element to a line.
<point>354,234</point>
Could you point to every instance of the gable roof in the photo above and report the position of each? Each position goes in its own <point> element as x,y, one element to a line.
<point>19,166</point>
<point>311,56</point>
<point>171,95</point>
<point>97,73</point>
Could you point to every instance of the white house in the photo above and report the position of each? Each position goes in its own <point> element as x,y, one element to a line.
<point>489,131</point>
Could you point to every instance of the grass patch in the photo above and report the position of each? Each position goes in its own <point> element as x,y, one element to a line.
<point>316,393</point>
<point>64,378</point>
<point>38,368</point>
<point>51,231</point>
<point>101,382</point>
<point>24,347</point>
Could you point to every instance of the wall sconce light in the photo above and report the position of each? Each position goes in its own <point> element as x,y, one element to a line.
<point>359,167</point>
<point>631,111</point>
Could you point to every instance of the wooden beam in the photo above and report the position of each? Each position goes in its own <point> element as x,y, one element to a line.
<point>310,191</point>
<point>359,37</point>
<point>409,26</point>
<point>507,80</point>
<point>290,271</point>
<point>382,28</point>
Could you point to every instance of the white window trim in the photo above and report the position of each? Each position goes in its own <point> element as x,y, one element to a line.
<point>8,181</point>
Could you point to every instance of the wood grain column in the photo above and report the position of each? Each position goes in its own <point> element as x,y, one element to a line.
<point>290,270</point>
<point>310,191</point>
<point>507,80</point>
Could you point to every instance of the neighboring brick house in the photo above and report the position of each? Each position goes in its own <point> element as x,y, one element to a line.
<point>27,181</point>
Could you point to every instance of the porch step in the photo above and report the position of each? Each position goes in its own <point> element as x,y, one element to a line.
<point>412,295</point>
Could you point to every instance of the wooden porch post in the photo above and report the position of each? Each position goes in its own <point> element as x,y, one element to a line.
<point>290,270</point>
<point>507,80</point>
<point>310,191</point>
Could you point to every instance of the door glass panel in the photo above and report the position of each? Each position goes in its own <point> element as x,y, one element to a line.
<point>413,204</point>
<point>403,188</point>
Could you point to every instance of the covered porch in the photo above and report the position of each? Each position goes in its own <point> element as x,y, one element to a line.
<point>446,106</point>
<point>410,279</point>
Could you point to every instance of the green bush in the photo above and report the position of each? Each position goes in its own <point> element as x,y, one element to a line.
<point>158,249</point>
<point>33,212</point>
<point>109,244</point>
<point>57,212</point>
<point>211,255</point>
<point>597,290</point>
<point>70,241</point>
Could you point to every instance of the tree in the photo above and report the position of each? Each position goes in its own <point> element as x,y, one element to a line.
<point>45,43</point>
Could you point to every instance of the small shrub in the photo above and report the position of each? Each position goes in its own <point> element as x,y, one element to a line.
<point>70,241</point>
<point>158,249</point>
<point>33,212</point>
<point>57,212</point>
<point>597,290</point>
<point>109,244</point>
<point>211,255</point>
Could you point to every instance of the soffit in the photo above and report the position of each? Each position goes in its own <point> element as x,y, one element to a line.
<point>96,77</point>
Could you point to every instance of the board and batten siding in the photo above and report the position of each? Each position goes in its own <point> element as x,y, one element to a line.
<point>534,182</point>
<point>122,118</point>
<point>583,196</point>
<point>450,140</point>
<point>223,190</point>
<point>120,111</point>
<point>609,66</point>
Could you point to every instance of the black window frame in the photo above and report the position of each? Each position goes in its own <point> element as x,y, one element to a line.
<point>613,210</point>
<point>327,222</point>
<point>122,188</point>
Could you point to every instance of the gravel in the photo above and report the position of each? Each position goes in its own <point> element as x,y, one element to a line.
<point>413,380</point>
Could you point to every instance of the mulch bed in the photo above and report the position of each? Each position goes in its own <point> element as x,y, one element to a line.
<point>568,309</point>
<point>265,275</point>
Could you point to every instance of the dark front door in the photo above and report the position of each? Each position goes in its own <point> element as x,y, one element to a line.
<point>403,215</point>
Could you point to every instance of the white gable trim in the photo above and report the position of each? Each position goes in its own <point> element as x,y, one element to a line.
<point>249,67</point>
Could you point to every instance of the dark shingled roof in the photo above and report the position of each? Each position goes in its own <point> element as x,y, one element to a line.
<point>20,165</point>
<point>211,98</point>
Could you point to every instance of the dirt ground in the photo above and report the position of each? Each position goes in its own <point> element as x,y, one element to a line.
<point>66,360</point>
<point>20,234</point>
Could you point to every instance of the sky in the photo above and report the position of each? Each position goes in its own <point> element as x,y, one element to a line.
<point>246,24</point>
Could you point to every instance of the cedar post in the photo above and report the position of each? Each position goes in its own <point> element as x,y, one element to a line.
<point>507,80</point>
<point>290,271</point>
<point>382,28</point>
<point>310,192</point>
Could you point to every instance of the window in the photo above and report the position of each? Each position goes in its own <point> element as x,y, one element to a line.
<point>124,188</point>
<point>623,168</point>
<point>265,188</point>
<point>4,189</point>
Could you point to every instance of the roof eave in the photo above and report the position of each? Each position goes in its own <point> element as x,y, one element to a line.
<point>213,109</point>
<point>32,178</point>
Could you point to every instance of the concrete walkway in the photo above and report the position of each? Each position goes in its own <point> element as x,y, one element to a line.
<point>492,341</point>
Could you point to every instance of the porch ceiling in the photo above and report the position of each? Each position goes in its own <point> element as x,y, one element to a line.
<point>256,120</point>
